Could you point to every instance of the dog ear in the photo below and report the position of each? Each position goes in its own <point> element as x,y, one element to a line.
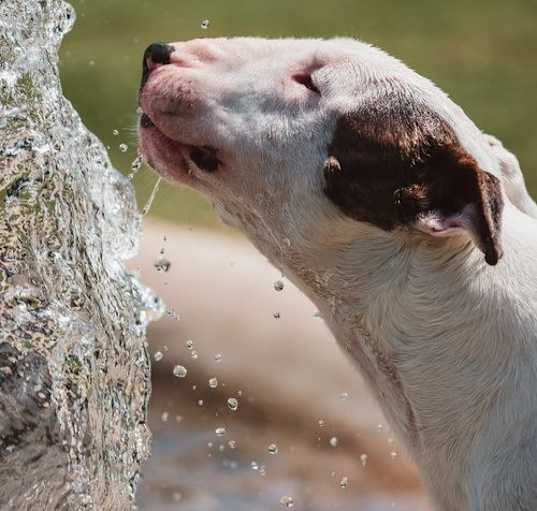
<point>400,165</point>
<point>458,197</point>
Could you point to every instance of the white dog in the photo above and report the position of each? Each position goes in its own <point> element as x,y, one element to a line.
<point>410,229</point>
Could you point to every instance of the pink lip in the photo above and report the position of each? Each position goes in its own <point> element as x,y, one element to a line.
<point>165,155</point>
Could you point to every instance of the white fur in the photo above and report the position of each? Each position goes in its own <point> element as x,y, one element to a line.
<point>447,343</point>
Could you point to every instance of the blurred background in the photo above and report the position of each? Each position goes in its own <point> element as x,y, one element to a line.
<point>225,320</point>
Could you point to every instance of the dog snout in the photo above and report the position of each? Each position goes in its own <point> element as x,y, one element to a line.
<point>155,55</point>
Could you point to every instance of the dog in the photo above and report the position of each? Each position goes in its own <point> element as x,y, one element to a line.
<point>410,229</point>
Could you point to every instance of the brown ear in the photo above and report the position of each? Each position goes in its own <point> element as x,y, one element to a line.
<point>396,163</point>
<point>460,197</point>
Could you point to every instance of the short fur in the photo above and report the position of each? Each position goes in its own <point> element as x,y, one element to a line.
<point>374,193</point>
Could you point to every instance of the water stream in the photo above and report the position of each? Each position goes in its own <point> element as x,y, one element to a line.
<point>74,368</point>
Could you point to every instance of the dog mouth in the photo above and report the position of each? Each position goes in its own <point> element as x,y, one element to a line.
<point>204,157</point>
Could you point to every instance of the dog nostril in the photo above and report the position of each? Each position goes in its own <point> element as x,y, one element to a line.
<point>155,54</point>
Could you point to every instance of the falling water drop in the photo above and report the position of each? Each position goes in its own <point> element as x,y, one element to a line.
<point>273,449</point>
<point>213,383</point>
<point>287,501</point>
<point>233,404</point>
<point>179,371</point>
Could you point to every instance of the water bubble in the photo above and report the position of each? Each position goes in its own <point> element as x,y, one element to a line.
<point>287,501</point>
<point>164,416</point>
<point>123,148</point>
<point>189,344</point>
<point>233,404</point>
<point>273,449</point>
<point>322,423</point>
<point>200,402</point>
<point>344,482</point>
<point>232,444</point>
<point>162,265</point>
<point>218,357</point>
<point>333,441</point>
<point>343,396</point>
<point>158,356</point>
<point>194,354</point>
<point>393,455</point>
<point>179,371</point>
<point>278,285</point>
<point>115,133</point>
<point>254,465</point>
<point>220,431</point>
<point>213,383</point>
<point>205,24</point>
<point>363,459</point>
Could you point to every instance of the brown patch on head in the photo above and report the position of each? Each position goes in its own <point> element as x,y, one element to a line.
<point>399,162</point>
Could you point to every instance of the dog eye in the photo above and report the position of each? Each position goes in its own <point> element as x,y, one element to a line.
<point>305,79</point>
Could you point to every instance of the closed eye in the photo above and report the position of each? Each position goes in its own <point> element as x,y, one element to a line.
<point>305,80</point>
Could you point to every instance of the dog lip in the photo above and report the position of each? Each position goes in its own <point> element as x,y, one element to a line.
<point>146,122</point>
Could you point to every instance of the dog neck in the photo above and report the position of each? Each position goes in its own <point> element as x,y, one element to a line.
<point>426,321</point>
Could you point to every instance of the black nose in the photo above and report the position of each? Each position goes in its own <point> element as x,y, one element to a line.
<point>155,54</point>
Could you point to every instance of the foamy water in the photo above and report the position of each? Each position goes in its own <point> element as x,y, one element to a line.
<point>74,370</point>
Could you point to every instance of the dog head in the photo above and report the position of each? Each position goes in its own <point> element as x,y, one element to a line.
<point>288,136</point>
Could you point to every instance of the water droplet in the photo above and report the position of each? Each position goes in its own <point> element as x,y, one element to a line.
<point>213,383</point>
<point>178,419</point>
<point>273,449</point>
<point>115,133</point>
<point>276,315</point>
<point>205,24</point>
<point>344,482</point>
<point>344,395</point>
<point>158,356</point>
<point>287,501</point>
<point>322,423</point>
<point>136,165</point>
<point>189,344</point>
<point>164,416</point>
<point>254,465</point>
<point>278,285</point>
<point>194,354</point>
<point>123,148</point>
<point>363,459</point>
<point>232,444</point>
<point>233,404</point>
<point>393,455</point>
<point>334,441</point>
<point>162,265</point>
<point>218,357</point>
<point>200,402</point>
<point>177,496</point>
<point>179,371</point>
<point>220,431</point>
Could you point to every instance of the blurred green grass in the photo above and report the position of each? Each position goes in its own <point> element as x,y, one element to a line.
<point>483,53</point>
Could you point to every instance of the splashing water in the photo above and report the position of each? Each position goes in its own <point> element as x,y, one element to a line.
<point>74,367</point>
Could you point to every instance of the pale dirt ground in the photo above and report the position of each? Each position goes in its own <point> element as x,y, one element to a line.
<point>287,375</point>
